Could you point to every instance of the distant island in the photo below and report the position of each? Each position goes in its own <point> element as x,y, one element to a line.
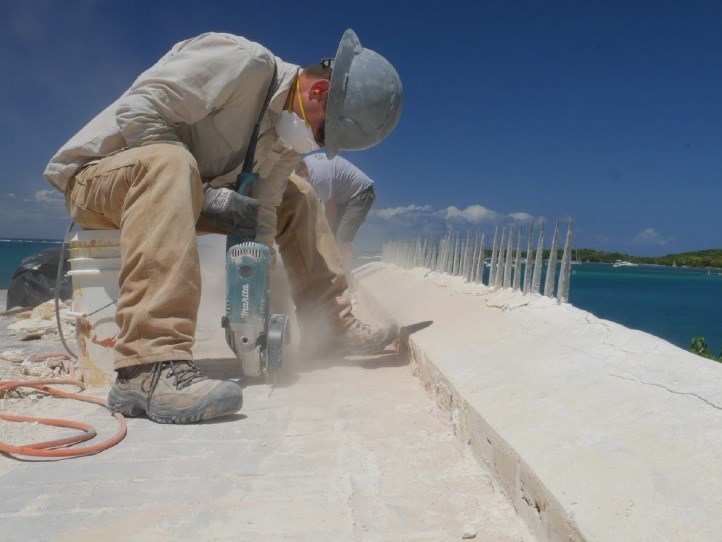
<point>699,258</point>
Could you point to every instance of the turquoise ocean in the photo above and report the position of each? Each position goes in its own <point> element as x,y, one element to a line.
<point>12,252</point>
<point>670,302</point>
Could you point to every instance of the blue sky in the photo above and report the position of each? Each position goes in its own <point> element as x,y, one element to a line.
<point>605,111</point>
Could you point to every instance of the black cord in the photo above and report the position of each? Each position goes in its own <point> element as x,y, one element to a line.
<point>101,308</point>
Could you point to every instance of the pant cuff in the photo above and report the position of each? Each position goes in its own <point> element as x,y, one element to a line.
<point>133,361</point>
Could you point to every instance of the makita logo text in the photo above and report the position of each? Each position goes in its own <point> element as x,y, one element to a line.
<point>245,296</point>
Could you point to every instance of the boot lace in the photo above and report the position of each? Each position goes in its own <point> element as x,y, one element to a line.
<point>185,373</point>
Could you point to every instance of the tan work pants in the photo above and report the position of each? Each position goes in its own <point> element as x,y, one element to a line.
<point>318,283</point>
<point>153,195</point>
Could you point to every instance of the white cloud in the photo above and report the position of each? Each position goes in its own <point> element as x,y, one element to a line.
<point>474,214</point>
<point>398,212</point>
<point>520,217</point>
<point>39,207</point>
<point>649,237</point>
<point>48,196</point>
<point>424,220</point>
<point>417,215</point>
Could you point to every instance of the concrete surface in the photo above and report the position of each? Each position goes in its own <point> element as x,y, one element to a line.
<point>596,431</point>
<point>354,450</point>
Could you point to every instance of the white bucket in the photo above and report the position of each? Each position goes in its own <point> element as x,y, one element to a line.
<point>89,264</point>
<point>95,293</point>
<point>95,252</point>
<point>95,265</point>
<point>91,239</point>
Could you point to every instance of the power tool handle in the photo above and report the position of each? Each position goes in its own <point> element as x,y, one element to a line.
<point>245,179</point>
<point>244,183</point>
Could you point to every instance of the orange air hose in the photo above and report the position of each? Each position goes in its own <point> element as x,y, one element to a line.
<point>57,448</point>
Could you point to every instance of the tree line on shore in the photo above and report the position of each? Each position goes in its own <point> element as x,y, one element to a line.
<point>699,258</point>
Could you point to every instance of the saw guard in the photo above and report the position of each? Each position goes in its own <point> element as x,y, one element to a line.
<point>274,342</point>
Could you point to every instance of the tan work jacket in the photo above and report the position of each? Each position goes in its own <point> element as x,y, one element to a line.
<point>206,93</point>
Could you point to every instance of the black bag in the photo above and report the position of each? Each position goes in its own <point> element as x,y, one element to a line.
<point>34,281</point>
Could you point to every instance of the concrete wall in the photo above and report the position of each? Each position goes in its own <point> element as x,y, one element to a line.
<point>596,431</point>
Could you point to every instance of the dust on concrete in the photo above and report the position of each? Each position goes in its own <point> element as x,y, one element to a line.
<point>353,447</point>
<point>28,335</point>
<point>25,337</point>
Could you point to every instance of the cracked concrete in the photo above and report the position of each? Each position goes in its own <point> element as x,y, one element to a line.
<point>677,392</point>
<point>596,431</point>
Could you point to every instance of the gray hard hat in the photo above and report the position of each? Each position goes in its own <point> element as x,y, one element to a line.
<point>364,99</point>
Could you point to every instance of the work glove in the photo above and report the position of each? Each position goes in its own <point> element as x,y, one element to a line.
<point>229,211</point>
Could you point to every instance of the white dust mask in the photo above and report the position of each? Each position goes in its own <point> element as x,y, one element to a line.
<point>295,133</point>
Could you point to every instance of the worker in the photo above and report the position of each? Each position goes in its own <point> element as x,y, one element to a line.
<point>156,164</point>
<point>347,194</point>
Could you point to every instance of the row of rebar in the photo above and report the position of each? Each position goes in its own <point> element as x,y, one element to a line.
<point>463,254</point>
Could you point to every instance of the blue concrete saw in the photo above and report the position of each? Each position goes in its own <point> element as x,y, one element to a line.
<point>254,335</point>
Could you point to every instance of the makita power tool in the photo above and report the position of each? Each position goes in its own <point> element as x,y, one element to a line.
<point>255,336</point>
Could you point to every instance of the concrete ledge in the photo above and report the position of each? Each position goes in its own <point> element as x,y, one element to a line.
<point>596,431</point>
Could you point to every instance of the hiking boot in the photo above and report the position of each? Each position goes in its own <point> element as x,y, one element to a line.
<point>361,339</point>
<point>173,392</point>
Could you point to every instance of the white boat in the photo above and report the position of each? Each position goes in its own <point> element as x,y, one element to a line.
<point>624,263</point>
